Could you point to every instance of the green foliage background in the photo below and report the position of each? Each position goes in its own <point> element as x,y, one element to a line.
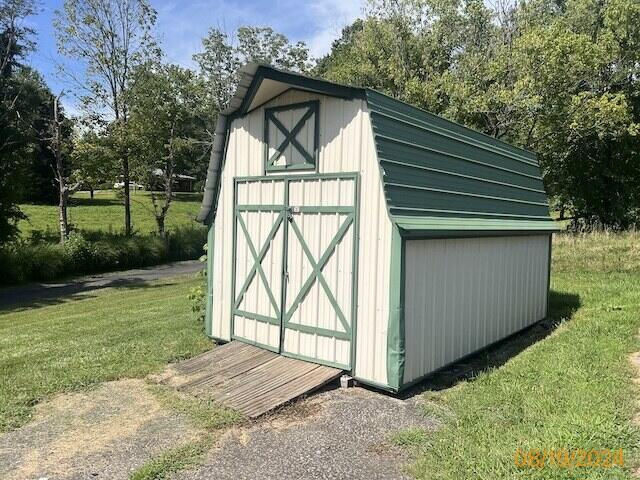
<point>559,77</point>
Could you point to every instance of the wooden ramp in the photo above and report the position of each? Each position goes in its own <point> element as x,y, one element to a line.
<point>247,378</point>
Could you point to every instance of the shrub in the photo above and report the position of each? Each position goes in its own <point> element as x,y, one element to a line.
<point>84,253</point>
<point>197,294</point>
<point>186,243</point>
<point>80,254</point>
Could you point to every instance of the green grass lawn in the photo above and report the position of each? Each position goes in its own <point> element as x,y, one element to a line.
<point>105,213</point>
<point>572,390</point>
<point>101,336</point>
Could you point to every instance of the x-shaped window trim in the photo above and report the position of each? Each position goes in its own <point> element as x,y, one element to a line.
<point>290,137</point>
<point>317,271</point>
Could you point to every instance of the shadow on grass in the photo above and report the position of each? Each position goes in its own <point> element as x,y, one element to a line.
<point>94,202</point>
<point>53,294</point>
<point>187,197</point>
<point>562,306</point>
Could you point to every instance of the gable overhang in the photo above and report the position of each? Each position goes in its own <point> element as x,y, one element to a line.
<point>258,84</point>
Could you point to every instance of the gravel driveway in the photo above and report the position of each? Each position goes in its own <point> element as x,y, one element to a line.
<point>103,434</point>
<point>108,432</point>
<point>337,434</point>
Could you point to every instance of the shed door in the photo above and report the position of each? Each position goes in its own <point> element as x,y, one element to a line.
<point>299,232</point>
<point>260,215</point>
<point>320,262</point>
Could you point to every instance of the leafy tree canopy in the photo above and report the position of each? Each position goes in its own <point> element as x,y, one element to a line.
<point>558,77</point>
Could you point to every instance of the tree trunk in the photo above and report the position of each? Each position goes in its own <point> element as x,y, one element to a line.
<point>91,192</point>
<point>127,197</point>
<point>64,226</point>
<point>62,187</point>
<point>161,213</point>
<point>160,222</point>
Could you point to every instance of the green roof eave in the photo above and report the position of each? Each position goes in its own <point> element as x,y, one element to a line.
<point>459,224</point>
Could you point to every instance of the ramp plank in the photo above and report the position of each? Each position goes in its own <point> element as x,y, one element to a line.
<point>249,379</point>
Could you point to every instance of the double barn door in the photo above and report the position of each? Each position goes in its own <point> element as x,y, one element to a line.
<point>294,274</point>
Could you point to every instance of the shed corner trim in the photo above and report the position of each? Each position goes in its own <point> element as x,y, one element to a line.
<point>395,329</point>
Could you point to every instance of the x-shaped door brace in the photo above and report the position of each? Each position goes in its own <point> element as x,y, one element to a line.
<point>290,137</point>
<point>316,274</point>
<point>257,267</point>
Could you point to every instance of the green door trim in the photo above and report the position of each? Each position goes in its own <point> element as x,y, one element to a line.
<point>324,332</point>
<point>316,274</point>
<point>257,258</point>
<point>351,221</point>
<point>395,326</point>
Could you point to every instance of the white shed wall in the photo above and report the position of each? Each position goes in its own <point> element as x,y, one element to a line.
<point>346,145</point>
<point>464,294</point>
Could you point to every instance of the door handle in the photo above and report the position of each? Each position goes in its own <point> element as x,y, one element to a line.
<point>291,211</point>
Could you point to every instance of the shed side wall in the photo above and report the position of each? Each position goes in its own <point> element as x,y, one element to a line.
<point>464,294</point>
<point>345,145</point>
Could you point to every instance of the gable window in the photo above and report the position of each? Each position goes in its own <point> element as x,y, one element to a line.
<point>291,137</point>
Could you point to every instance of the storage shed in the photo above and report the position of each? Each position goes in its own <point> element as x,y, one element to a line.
<point>353,230</point>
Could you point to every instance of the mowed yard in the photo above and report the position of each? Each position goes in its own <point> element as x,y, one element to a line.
<point>92,338</point>
<point>105,213</point>
<point>573,389</point>
<point>97,241</point>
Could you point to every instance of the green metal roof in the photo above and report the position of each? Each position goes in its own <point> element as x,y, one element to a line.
<point>437,174</point>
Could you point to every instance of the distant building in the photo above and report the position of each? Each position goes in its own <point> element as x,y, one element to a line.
<point>181,182</point>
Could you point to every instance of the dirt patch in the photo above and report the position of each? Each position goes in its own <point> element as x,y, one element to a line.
<point>105,433</point>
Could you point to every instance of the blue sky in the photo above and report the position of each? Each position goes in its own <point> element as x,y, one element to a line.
<point>182,24</point>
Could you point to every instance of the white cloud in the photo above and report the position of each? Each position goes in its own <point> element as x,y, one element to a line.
<point>331,16</point>
<point>181,25</point>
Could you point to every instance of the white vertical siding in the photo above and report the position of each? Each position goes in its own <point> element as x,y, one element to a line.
<point>464,294</point>
<point>345,145</point>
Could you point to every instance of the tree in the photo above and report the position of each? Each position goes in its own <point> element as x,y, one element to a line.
<point>111,37</point>
<point>166,125</point>
<point>560,78</point>
<point>61,169</point>
<point>93,160</point>
<point>263,45</point>
<point>35,179</point>
<point>15,133</point>
<point>221,58</point>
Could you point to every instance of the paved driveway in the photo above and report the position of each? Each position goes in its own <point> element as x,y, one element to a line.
<point>35,294</point>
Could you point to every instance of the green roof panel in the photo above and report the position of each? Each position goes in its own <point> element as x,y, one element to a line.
<point>447,176</point>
